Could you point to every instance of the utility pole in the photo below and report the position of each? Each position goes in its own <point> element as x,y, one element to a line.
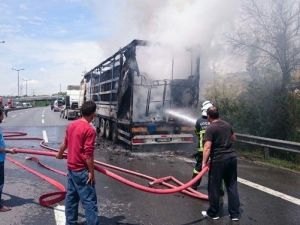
<point>18,70</point>
<point>26,85</point>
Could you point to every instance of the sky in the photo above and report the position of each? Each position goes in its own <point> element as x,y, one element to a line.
<point>56,41</point>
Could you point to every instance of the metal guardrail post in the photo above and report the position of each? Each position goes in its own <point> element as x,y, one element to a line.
<point>266,153</point>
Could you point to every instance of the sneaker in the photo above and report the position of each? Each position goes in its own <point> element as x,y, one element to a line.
<point>205,215</point>
<point>235,219</point>
<point>4,209</point>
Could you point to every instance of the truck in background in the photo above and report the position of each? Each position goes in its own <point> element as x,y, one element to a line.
<point>58,104</point>
<point>72,106</point>
<point>132,108</point>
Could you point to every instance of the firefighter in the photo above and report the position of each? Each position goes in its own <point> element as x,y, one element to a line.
<point>200,127</point>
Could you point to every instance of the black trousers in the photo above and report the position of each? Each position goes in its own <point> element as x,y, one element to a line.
<point>198,167</point>
<point>1,180</point>
<point>225,170</point>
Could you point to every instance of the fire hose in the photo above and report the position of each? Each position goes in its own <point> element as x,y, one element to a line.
<point>56,197</point>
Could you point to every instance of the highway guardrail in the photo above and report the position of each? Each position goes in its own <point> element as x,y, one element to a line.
<point>20,108</point>
<point>269,143</point>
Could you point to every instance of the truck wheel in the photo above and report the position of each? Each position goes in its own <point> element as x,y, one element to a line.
<point>102,128</point>
<point>114,133</point>
<point>96,124</point>
<point>108,129</point>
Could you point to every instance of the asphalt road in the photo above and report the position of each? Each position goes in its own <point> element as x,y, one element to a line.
<point>119,204</point>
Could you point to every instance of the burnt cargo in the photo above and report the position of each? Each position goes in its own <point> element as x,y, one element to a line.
<point>132,107</point>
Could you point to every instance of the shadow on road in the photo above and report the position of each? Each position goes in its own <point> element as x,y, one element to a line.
<point>116,220</point>
<point>207,221</point>
<point>195,222</point>
<point>14,201</point>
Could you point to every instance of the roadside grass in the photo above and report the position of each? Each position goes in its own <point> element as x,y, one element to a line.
<point>257,155</point>
<point>284,164</point>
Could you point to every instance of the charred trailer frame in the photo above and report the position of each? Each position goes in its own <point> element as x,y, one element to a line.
<point>114,86</point>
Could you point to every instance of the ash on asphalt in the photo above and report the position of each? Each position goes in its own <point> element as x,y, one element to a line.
<point>154,152</point>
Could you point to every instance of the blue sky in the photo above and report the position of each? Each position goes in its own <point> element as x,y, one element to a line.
<point>55,41</point>
<point>60,20</point>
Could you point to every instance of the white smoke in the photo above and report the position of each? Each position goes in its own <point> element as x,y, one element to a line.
<point>176,24</point>
<point>179,29</point>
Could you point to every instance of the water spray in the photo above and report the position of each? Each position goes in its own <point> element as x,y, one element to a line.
<point>182,116</point>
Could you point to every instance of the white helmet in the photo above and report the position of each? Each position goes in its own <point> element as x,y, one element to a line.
<point>205,106</point>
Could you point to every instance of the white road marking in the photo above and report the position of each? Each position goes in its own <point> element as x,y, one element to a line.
<point>59,213</point>
<point>260,187</point>
<point>43,115</point>
<point>270,191</point>
<point>45,137</point>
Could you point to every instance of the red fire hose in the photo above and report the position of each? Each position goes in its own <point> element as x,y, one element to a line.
<point>58,196</point>
<point>55,197</point>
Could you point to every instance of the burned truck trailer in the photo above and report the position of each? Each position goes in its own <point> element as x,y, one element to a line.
<point>132,107</point>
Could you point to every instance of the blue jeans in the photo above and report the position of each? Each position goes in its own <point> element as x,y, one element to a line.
<point>86,193</point>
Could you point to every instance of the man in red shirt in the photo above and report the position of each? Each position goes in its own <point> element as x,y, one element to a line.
<point>80,142</point>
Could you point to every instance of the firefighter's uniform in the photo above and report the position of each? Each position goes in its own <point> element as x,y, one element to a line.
<point>200,128</point>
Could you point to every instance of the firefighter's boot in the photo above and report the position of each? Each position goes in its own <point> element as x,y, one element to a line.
<point>195,185</point>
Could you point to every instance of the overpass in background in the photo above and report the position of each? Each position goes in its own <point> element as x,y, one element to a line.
<point>40,100</point>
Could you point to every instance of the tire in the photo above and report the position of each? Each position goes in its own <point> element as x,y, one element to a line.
<point>98,130</point>
<point>102,128</point>
<point>114,133</point>
<point>108,129</point>
<point>96,124</point>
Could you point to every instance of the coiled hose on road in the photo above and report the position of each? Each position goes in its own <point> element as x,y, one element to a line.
<point>55,197</point>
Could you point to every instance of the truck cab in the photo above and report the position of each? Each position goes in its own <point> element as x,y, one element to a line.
<point>72,109</point>
<point>58,105</point>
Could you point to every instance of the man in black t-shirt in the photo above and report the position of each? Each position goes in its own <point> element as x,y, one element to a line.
<point>218,140</point>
